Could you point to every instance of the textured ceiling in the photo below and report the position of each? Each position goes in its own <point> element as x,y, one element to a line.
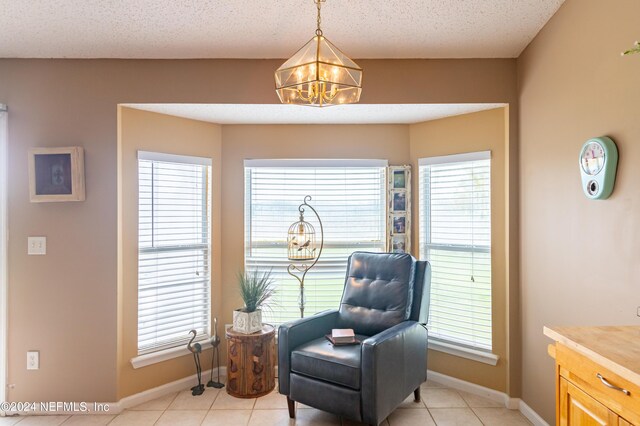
<point>295,114</point>
<point>268,29</point>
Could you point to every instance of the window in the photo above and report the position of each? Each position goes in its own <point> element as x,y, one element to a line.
<point>455,236</point>
<point>173,249</point>
<point>349,196</point>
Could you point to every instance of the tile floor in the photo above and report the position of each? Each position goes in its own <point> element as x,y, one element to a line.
<point>440,406</point>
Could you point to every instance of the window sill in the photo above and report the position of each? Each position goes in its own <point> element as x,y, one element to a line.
<point>165,355</point>
<point>462,352</point>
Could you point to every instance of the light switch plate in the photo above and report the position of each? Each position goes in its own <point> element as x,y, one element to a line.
<point>37,245</point>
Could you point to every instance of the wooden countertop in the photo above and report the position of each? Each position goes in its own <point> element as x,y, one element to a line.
<point>614,347</point>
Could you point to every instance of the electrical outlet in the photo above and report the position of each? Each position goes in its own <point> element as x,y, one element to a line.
<point>37,245</point>
<point>33,360</point>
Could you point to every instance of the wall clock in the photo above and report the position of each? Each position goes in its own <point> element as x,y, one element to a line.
<point>598,165</point>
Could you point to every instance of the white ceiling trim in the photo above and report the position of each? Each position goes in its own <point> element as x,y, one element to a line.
<point>268,29</point>
<point>295,114</point>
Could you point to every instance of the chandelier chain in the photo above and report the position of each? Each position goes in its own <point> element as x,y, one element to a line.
<point>319,4</point>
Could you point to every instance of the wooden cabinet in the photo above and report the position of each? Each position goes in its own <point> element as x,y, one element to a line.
<point>251,362</point>
<point>578,408</point>
<point>591,388</point>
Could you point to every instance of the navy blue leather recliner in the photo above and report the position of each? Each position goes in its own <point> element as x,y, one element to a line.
<point>386,302</point>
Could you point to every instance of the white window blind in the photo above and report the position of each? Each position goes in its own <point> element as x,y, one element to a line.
<point>350,199</point>
<point>455,236</point>
<point>173,249</point>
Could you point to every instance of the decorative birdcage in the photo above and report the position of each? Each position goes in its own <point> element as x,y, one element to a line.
<point>301,248</point>
<point>301,241</point>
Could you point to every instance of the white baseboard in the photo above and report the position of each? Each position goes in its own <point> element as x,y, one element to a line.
<point>166,389</point>
<point>494,395</point>
<point>129,401</point>
<point>531,415</point>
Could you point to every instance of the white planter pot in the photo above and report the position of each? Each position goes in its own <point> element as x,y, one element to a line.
<point>247,322</point>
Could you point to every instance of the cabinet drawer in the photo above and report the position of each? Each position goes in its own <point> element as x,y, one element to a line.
<point>583,372</point>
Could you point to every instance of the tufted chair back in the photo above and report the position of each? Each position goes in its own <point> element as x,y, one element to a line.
<point>378,291</point>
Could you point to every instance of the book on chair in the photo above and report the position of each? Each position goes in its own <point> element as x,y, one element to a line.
<point>343,335</point>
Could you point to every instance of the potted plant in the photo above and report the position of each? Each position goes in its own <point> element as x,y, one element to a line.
<point>255,289</point>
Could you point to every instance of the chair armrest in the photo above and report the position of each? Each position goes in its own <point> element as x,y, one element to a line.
<point>294,333</point>
<point>394,364</point>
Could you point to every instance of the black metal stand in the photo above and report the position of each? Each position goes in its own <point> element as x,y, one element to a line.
<point>215,353</point>
<point>195,349</point>
<point>199,388</point>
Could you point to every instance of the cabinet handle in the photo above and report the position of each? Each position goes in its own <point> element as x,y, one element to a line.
<point>609,385</point>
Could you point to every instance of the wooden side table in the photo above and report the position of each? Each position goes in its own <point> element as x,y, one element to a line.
<point>251,362</point>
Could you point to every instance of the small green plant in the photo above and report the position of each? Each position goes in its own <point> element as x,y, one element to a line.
<point>634,49</point>
<point>255,289</point>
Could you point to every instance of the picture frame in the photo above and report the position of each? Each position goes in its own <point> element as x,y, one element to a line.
<point>399,209</point>
<point>399,244</point>
<point>399,224</point>
<point>56,174</point>
<point>399,201</point>
<point>399,179</point>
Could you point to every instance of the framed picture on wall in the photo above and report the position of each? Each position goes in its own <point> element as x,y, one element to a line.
<point>399,203</point>
<point>399,244</point>
<point>399,209</point>
<point>399,224</point>
<point>399,179</point>
<point>56,174</point>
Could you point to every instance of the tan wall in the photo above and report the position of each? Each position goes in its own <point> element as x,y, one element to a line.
<point>64,303</point>
<point>147,131</point>
<point>579,257</point>
<point>480,131</point>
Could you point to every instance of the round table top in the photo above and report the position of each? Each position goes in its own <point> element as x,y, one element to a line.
<point>267,330</point>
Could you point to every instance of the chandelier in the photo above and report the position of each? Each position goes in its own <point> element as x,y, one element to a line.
<point>319,74</point>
